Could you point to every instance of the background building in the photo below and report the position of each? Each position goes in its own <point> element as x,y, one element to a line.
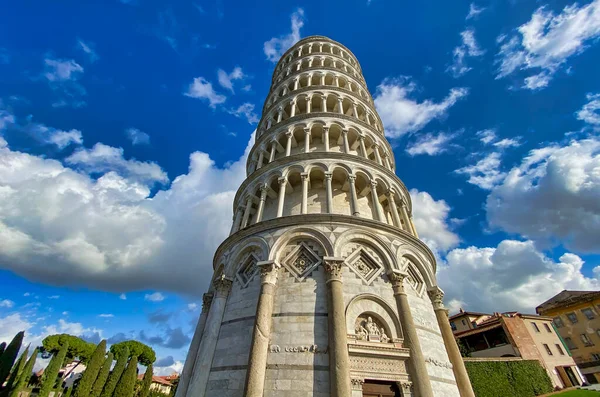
<point>323,267</point>
<point>576,318</point>
<point>463,320</point>
<point>528,337</point>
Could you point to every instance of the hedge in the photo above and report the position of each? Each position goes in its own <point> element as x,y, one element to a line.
<point>508,378</point>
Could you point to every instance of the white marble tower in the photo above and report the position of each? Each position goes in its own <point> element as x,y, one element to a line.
<point>323,287</point>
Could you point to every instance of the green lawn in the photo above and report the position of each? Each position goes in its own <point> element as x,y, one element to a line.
<point>578,393</point>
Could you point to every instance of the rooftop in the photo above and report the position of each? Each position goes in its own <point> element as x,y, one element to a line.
<point>567,298</point>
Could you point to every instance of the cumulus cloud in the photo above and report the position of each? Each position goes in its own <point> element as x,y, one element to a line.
<point>547,41</point>
<point>589,113</point>
<point>431,144</point>
<point>430,217</point>
<point>401,114</point>
<point>485,173</point>
<point>137,137</point>
<point>245,111</point>
<point>552,197</point>
<point>486,136</point>
<point>202,89</point>
<point>154,297</point>
<point>508,142</point>
<point>89,49</point>
<point>124,238</point>
<point>6,303</point>
<point>123,297</point>
<point>62,76</point>
<point>176,366</point>
<point>512,276</point>
<point>226,79</point>
<point>277,46</point>
<point>62,69</point>
<point>173,338</point>
<point>474,11</point>
<point>467,48</point>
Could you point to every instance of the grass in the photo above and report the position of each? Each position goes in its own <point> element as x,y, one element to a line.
<point>578,393</point>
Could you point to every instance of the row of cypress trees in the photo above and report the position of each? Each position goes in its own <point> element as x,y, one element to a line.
<point>96,381</point>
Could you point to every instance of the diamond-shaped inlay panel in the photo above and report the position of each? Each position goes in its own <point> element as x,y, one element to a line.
<point>301,261</point>
<point>364,265</point>
<point>247,269</point>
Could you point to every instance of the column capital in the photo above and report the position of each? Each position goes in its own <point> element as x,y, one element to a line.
<point>263,191</point>
<point>222,286</point>
<point>282,180</point>
<point>325,129</point>
<point>376,145</point>
<point>307,131</point>
<point>268,271</point>
<point>289,134</point>
<point>328,175</point>
<point>333,268</point>
<point>436,294</point>
<point>357,384</point>
<point>406,388</point>
<point>392,191</point>
<point>352,179</point>
<point>345,131</point>
<point>304,176</point>
<point>374,183</point>
<point>206,301</point>
<point>361,137</point>
<point>397,277</point>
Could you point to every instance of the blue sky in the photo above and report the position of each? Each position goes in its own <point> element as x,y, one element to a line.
<point>124,127</point>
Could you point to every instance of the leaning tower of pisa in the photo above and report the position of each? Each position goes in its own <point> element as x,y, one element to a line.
<point>323,287</point>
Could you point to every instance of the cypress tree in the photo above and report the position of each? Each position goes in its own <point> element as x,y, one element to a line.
<point>7,360</point>
<point>126,385</point>
<point>91,371</point>
<point>115,375</point>
<point>51,371</point>
<point>68,392</point>
<point>25,375</point>
<point>102,376</point>
<point>17,369</point>
<point>146,382</point>
<point>2,347</point>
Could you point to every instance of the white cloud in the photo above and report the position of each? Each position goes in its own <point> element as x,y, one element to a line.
<point>6,303</point>
<point>474,11</point>
<point>154,297</point>
<point>402,115</point>
<point>192,306</point>
<point>485,173</point>
<point>106,315</point>
<point>54,297</point>
<point>548,40</point>
<point>512,276</point>
<point>552,197</point>
<point>88,48</point>
<point>62,76</point>
<point>137,137</point>
<point>203,89</point>
<point>468,48</point>
<point>11,325</point>
<point>103,158</point>
<point>123,297</point>
<point>226,79</point>
<point>123,239</point>
<point>431,221</point>
<point>245,111</point>
<point>277,46</point>
<point>62,139</point>
<point>508,142</point>
<point>27,294</point>
<point>62,69</point>
<point>430,144</point>
<point>6,118</point>
<point>177,366</point>
<point>589,113</point>
<point>486,136</point>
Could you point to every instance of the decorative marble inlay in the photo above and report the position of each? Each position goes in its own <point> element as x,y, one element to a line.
<point>301,261</point>
<point>364,265</point>
<point>377,365</point>
<point>247,270</point>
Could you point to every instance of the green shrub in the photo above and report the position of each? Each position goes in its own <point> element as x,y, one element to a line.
<point>126,385</point>
<point>102,376</point>
<point>91,371</point>
<point>115,375</point>
<point>508,378</point>
<point>52,370</point>
<point>146,382</point>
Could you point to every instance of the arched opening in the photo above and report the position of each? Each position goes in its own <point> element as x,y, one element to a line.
<point>317,102</point>
<point>298,135</point>
<point>316,134</point>
<point>340,191</point>
<point>293,199</point>
<point>317,197</point>
<point>335,138</point>
<point>353,141</point>
<point>329,79</point>
<point>332,103</point>
<point>363,190</point>
<point>347,107</point>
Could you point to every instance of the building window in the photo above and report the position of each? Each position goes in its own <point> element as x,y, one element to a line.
<point>572,317</point>
<point>560,350</point>
<point>535,327</point>
<point>452,325</point>
<point>570,343</point>
<point>589,313</point>
<point>586,340</point>
<point>474,324</point>
<point>463,322</point>
<point>547,327</point>
<point>596,356</point>
<point>548,349</point>
<point>558,322</point>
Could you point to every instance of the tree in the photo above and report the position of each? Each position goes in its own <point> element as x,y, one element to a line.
<point>126,384</point>
<point>144,353</point>
<point>7,360</point>
<point>102,376</point>
<point>464,350</point>
<point>16,372</point>
<point>51,371</point>
<point>146,382</point>
<point>78,348</point>
<point>175,383</point>
<point>91,372</point>
<point>116,373</point>
<point>25,374</point>
<point>2,347</point>
<point>68,392</point>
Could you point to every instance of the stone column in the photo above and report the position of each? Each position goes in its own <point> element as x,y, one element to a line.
<point>353,197</point>
<point>281,198</point>
<point>261,158</point>
<point>304,177</point>
<point>293,108</point>
<point>339,360</point>
<point>296,81</point>
<point>206,351</point>
<point>188,368</point>
<point>309,101</point>
<point>363,148</point>
<point>259,350</point>
<point>346,144</point>
<point>323,103</point>
<point>357,387</point>
<point>355,110</point>
<point>288,144</point>
<point>394,209</point>
<point>418,372</point>
<point>328,176</point>
<point>405,388</point>
<point>247,212</point>
<point>458,365</point>
<point>376,203</point>
<point>386,160</point>
<point>273,150</point>
<point>336,81</point>
<point>236,221</point>
<point>326,138</point>
<point>341,105</point>
<point>322,78</point>
<point>306,140</point>
<point>279,114</point>
<point>261,203</point>
<point>405,218</point>
<point>377,154</point>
